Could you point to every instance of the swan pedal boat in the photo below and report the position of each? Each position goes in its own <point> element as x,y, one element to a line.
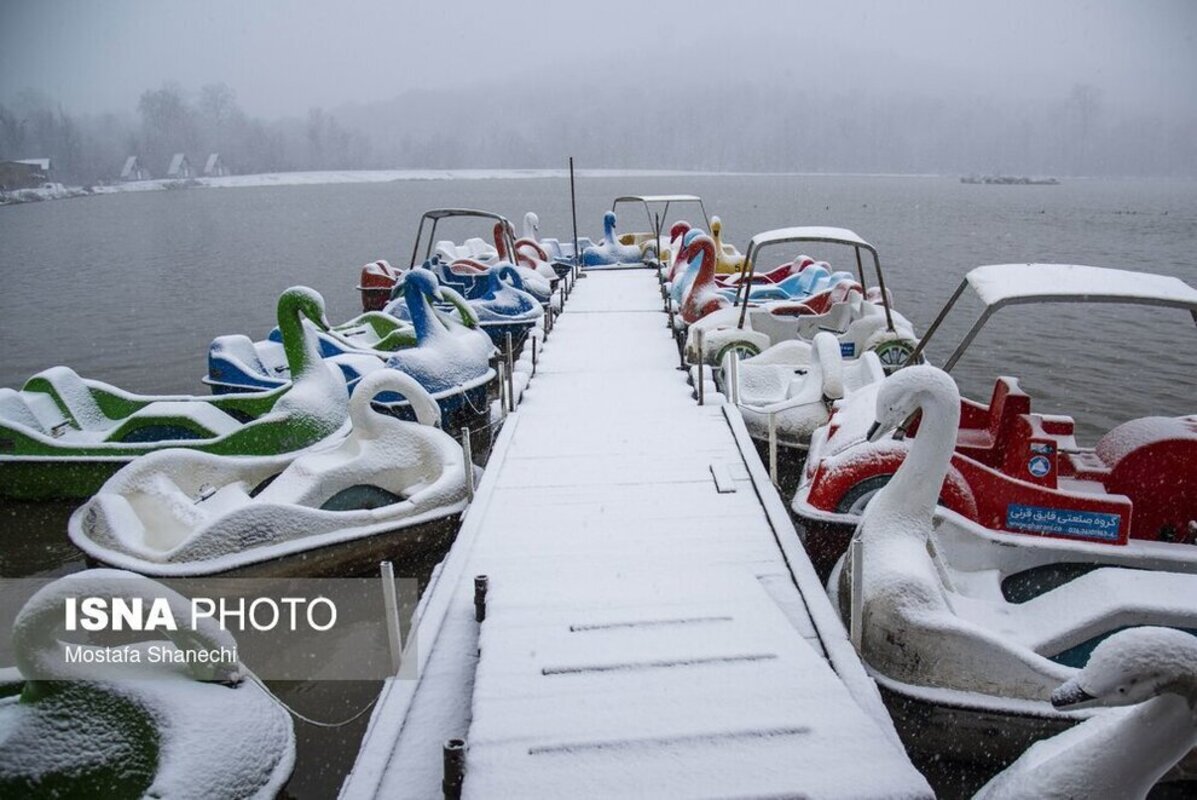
<point>375,282</point>
<point>968,631</point>
<point>63,435</point>
<point>561,256</point>
<point>861,315</point>
<point>181,513</point>
<point>181,729</point>
<point>657,247</point>
<point>361,346</point>
<point>1011,469</point>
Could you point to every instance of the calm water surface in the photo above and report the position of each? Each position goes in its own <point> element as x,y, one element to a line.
<point>131,288</point>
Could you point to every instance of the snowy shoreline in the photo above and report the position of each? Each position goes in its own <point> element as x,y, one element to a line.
<point>60,192</point>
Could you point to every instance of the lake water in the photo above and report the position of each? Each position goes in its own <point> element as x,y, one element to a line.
<point>130,288</point>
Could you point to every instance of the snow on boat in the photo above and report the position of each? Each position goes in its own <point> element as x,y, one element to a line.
<point>63,435</point>
<point>561,255</point>
<point>610,253</point>
<point>182,513</point>
<point>789,389</point>
<point>862,318</point>
<point>1012,469</point>
<point>366,344</point>
<point>183,729</point>
<point>969,631</point>
<point>377,279</point>
<point>651,241</point>
<point>1152,669</point>
<point>496,300</point>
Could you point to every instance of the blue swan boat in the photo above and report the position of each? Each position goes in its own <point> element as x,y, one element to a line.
<point>610,253</point>
<point>370,342</point>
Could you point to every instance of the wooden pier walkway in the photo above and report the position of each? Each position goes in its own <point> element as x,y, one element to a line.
<point>653,628</point>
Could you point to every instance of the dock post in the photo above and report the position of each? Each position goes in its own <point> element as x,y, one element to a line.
<point>773,448</point>
<point>702,378</point>
<point>510,373</point>
<point>856,600</point>
<point>733,376</point>
<point>481,583</point>
<point>391,605</point>
<point>467,451</point>
<point>503,388</point>
<point>453,768</point>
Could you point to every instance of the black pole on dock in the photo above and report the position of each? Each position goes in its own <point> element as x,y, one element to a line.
<point>573,207</point>
<point>481,583</point>
<point>454,768</point>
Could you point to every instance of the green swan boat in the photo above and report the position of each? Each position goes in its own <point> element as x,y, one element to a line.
<point>91,728</point>
<point>63,435</point>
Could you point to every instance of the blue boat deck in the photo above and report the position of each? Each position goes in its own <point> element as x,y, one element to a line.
<point>652,626</point>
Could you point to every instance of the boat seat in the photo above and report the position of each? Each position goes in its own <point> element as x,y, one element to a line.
<point>1097,602</point>
<point>193,420</point>
<point>15,411</point>
<point>73,397</point>
<point>238,349</point>
<point>478,249</point>
<point>447,251</point>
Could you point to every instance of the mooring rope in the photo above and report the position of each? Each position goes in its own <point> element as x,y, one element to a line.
<point>317,723</point>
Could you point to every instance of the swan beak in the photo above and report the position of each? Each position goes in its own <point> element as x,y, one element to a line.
<point>1071,695</point>
<point>875,432</point>
<point>324,323</point>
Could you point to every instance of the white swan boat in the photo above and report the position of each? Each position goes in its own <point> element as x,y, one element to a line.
<point>1121,752</point>
<point>859,312</point>
<point>789,389</point>
<point>180,512</point>
<point>968,631</point>
<point>184,729</point>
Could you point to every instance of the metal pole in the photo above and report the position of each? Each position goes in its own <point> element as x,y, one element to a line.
<point>502,388</point>
<point>467,450</point>
<point>535,339</point>
<point>733,376</point>
<point>573,207</point>
<point>702,381</point>
<point>856,600</point>
<point>773,448</point>
<point>510,372</point>
<point>481,584</point>
<point>453,768</point>
<point>391,605</point>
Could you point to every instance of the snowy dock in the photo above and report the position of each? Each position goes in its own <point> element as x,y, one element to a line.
<point>652,626</point>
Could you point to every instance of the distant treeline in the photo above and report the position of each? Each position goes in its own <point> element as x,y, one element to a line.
<point>169,120</point>
<point>773,127</point>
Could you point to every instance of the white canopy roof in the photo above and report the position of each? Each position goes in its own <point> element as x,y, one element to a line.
<point>809,233</point>
<point>659,198</point>
<point>1004,284</point>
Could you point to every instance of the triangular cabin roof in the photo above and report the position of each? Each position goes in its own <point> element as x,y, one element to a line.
<point>212,164</point>
<point>131,166</point>
<point>41,163</point>
<point>176,164</point>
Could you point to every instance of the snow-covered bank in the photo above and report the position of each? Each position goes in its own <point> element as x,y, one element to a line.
<point>328,177</point>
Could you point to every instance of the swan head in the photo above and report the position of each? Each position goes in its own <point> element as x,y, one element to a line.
<point>422,281</point>
<point>531,225</point>
<point>679,229</point>
<point>609,221</point>
<point>510,274</point>
<point>305,302</point>
<point>1133,666</point>
<point>902,393</point>
<point>716,227</point>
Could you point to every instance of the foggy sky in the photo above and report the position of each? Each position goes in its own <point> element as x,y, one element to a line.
<point>285,57</point>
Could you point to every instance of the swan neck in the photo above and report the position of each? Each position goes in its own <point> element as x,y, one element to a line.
<point>916,485</point>
<point>420,310</point>
<point>299,344</point>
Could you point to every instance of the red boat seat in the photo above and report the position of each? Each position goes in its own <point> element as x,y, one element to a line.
<point>1153,461</point>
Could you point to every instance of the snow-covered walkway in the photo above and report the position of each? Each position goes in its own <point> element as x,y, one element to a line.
<point>645,634</point>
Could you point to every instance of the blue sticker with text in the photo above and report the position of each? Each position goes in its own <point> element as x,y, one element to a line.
<point>1063,521</point>
<point>847,349</point>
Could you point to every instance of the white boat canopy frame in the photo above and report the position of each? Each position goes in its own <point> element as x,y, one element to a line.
<point>437,214</point>
<point>1001,285</point>
<point>650,200</point>
<point>811,233</point>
